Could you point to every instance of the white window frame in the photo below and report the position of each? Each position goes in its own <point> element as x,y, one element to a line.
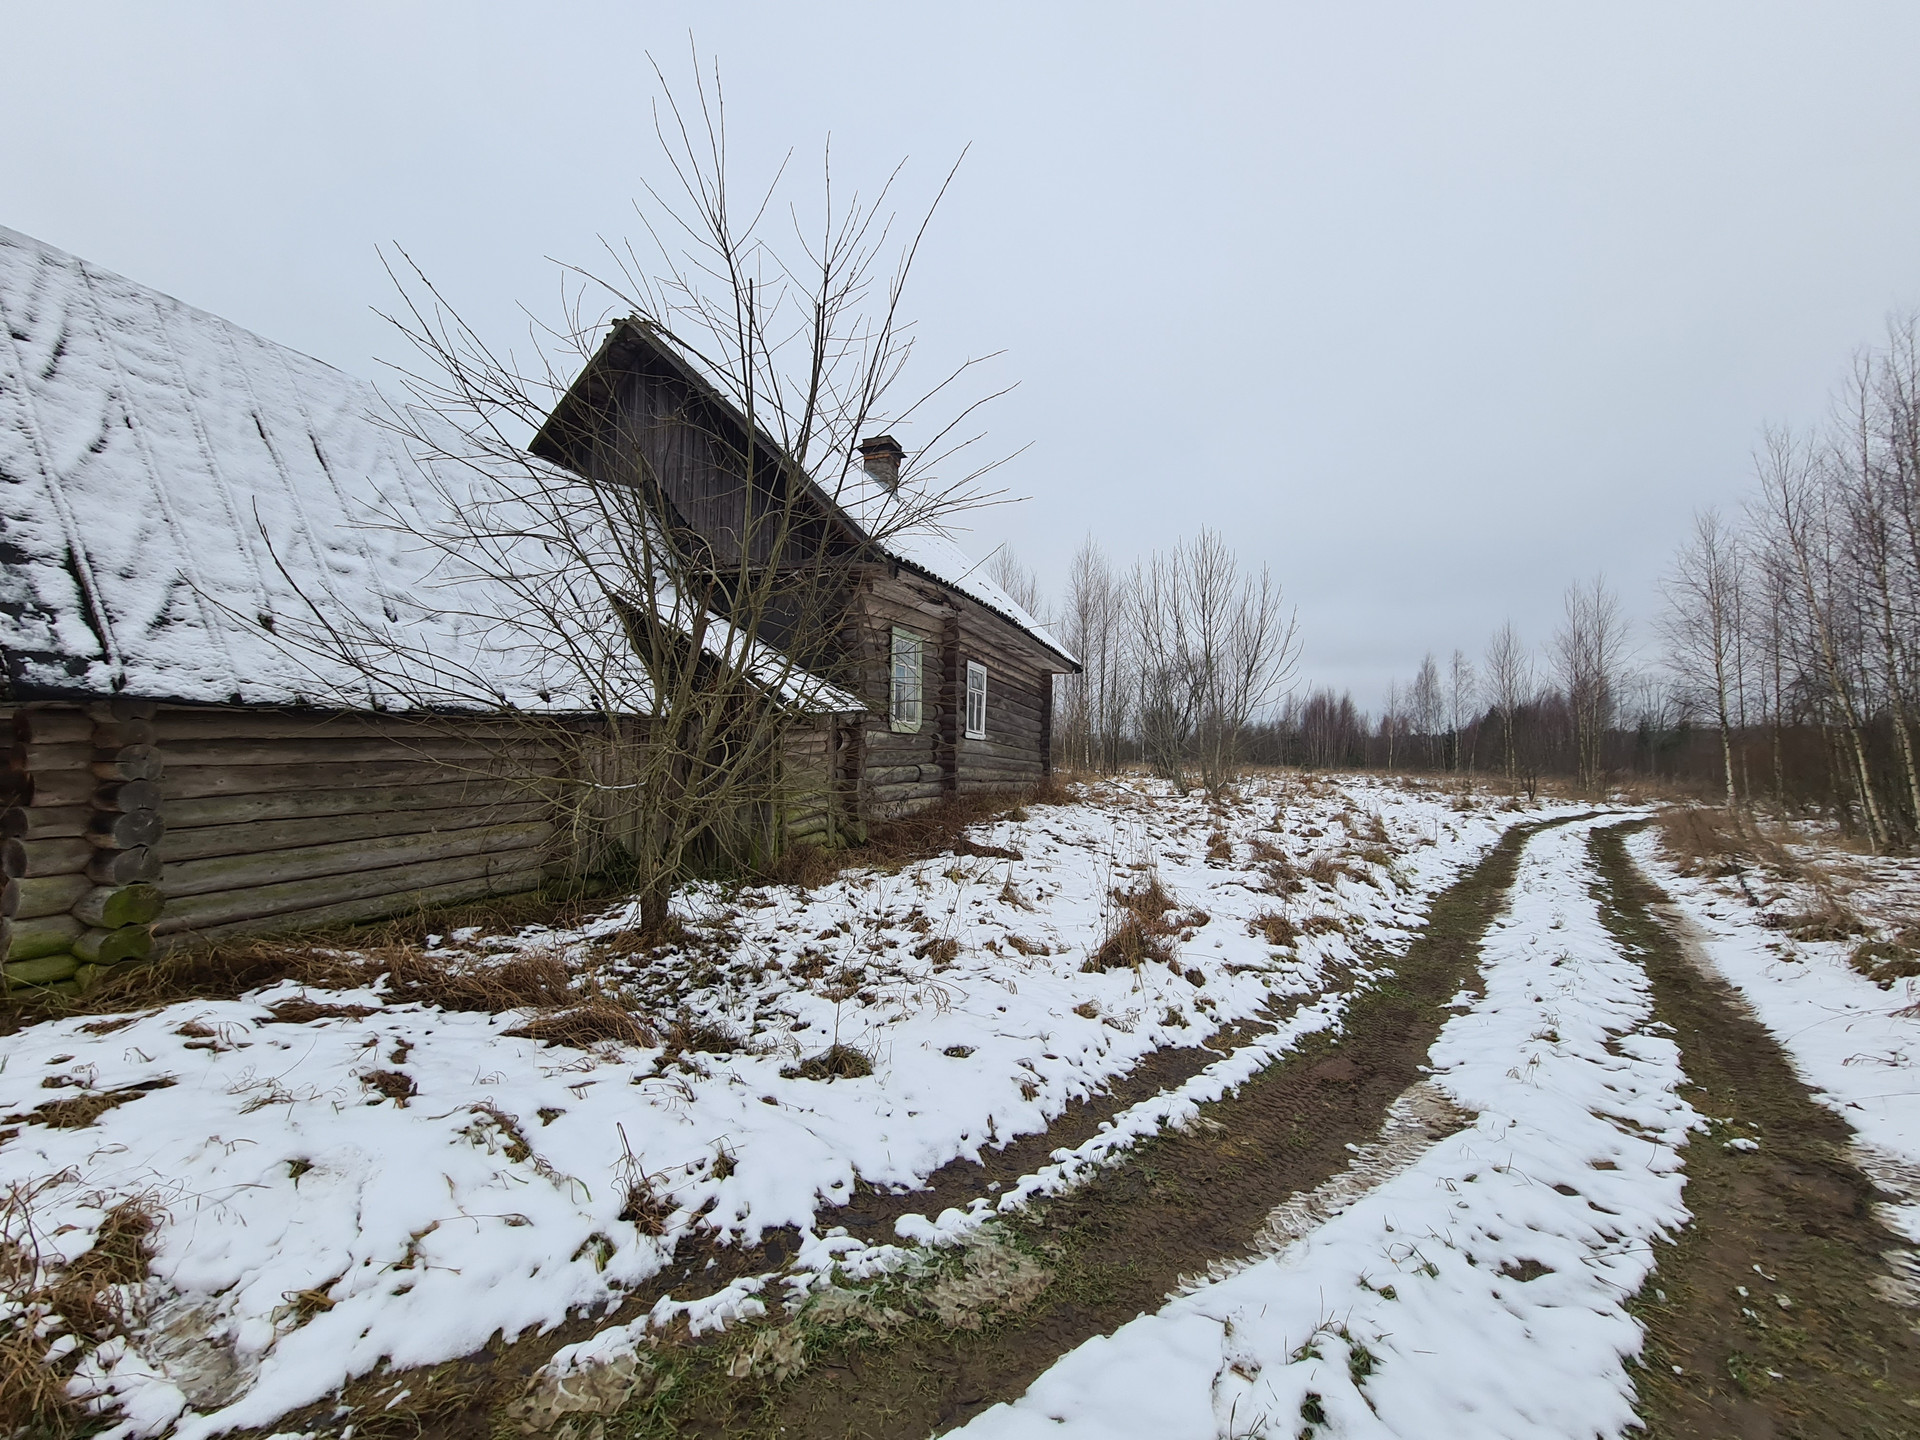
<point>906,681</point>
<point>976,700</point>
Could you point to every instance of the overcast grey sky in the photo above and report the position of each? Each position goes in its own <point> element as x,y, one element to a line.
<point>1432,307</point>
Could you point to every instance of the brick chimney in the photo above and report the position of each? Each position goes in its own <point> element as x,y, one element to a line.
<point>880,457</point>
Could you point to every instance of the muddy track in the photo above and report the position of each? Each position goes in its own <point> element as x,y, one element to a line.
<point>1119,1244</point>
<point>1792,1220</point>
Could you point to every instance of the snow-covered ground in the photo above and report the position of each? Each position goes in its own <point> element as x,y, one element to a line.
<point>396,1182</point>
<point>1854,1043</point>
<point>1474,1286</point>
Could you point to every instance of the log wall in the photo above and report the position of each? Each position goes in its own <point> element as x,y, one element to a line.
<point>1019,700</point>
<point>813,810</point>
<point>129,828</point>
<point>900,773</point>
<point>280,820</point>
<point>80,821</point>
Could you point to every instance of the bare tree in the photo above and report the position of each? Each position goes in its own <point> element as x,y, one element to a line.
<point>1392,719</point>
<point>1509,686</point>
<point>653,663</point>
<point>1427,704</point>
<point>1462,691</point>
<point>1800,514</point>
<point>1214,648</point>
<point>1701,625</point>
<point>1589,649</point>
<point>1096,702</point>
<point>1021,584</point>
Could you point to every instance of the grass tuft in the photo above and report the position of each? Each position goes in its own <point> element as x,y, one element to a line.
<point>836,1062</point>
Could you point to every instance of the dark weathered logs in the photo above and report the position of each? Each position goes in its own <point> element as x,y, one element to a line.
<point>40,822</point>
<point>47,935</point>
<point>136,762</point>
<point>129,831</point>
<point>346,912</point>
<point>123,867</point>
<point>188,782</point>
<point>50,895</point>
<point>107,947</point>
<point>398,884</point>
<point>233,872</point>
<point>52,727</point>
<point>277,805</point>
<point>35,758</point>
<point>118,734</point>
<point>57,788</point>
<point>278,834</point>
<point>177,724</point>
<point>110,907</point>
<point>127,795</point>
<point>122,707</point>
<point>425,749</point>
<point>20,859</point>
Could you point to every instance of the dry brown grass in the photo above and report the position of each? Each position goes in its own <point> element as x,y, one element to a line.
<point>1701,841</point>
<point>303,1010</point>
<point>1276,929</point>
<point>836,1062</point>
<point>76,1112</point>
<point>1885,961</point>
<point>1325,870</point>
<point>939,829</point>
<point>806,866</point>
<point>1829,920</point>
<point>395,1085</point>
<point>1143,927</point>
<point>597,1020</point>
<point>692,1034</point>
<point>1713,841</point>
<point>527,979</point>
<point>220,973</point>
<point>45,1301</point>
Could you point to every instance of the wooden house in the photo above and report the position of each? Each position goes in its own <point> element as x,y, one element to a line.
<point>178,496</point>
<point>956,679</point>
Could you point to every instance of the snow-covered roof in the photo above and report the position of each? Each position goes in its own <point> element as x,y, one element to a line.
<point>181,501</point>
<point>929,549</point>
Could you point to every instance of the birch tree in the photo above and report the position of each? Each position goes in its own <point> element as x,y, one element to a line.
<point>1701,628</point>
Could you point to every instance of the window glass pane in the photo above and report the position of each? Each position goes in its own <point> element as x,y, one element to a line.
<point>976,701</point>
<point>906,682</point>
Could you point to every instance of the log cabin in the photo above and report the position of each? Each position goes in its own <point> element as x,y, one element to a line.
<point>179,497</point>
<point>954,676</point>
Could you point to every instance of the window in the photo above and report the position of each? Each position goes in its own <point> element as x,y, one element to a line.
<point>904,707</point>
<point>976,701</point>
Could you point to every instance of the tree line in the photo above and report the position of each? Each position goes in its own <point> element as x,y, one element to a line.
<point>1782,669</point>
